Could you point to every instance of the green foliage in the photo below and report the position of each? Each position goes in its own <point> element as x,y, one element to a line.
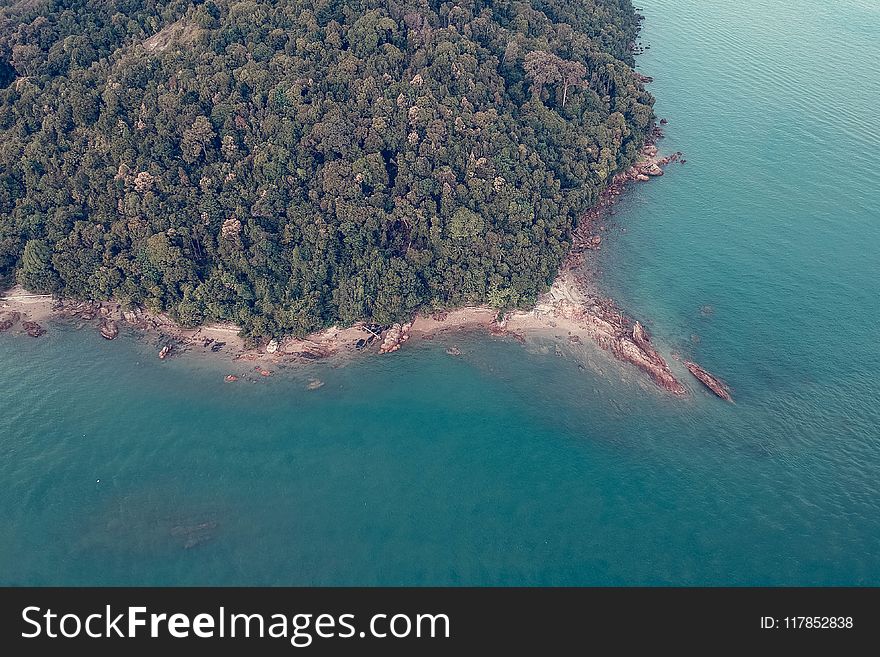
<point>289,164</point>
<point>36,272</point>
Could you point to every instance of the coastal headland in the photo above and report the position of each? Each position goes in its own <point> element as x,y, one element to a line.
<point>573,309</point>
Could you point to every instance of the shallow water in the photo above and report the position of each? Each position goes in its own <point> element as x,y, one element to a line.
<point>509,465</point>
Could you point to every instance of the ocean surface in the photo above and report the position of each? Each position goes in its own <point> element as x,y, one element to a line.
<point>510,465</point>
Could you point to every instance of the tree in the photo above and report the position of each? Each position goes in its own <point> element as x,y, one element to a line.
<point>542,68</point>
<point>36,272</point>
<point>289,165</point>
<point>196,139</point>
<point>572,73</point>
<point>27,59</point>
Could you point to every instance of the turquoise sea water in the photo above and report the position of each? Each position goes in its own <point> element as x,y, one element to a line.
<point>510,465</point>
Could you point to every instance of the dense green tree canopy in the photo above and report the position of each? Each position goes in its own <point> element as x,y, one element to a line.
<point>288,164</point>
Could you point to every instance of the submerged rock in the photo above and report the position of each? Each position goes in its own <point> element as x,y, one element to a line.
<point>715,385</point>
<point>312,351</point>
<point>195,534</point>
<point>314,384</point>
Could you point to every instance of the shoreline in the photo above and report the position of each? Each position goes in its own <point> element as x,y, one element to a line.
<point>573,306</point>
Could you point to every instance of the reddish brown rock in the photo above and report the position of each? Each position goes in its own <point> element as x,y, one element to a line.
<point>636,348</point>
<point>714,384</point>
<point>640,337</point>
<point>109,329</point>
<point>33,329</point>
<point>602,321</point>
<point>497,329</point>
<point>8,319</point>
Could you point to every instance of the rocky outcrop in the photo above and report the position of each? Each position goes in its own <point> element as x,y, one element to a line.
<point>8,319</point>
<point>85,310</point>
<point>714,384</point>
<point>308,350</point>
<point>109,329</point>
<point>135,317</point>
<point>165,351</point>
<point>649,165</point>
<point>636,348</point>
<point>599,319</point>
<point>501,329</point>
<point>497,328</point>
<point>395,337</point>
<point>33,329</point>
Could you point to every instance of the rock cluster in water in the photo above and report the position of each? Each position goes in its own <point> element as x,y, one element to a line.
<point>33,329</point>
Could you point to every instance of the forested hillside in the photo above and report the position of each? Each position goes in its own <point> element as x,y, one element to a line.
<point>289,164</point>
